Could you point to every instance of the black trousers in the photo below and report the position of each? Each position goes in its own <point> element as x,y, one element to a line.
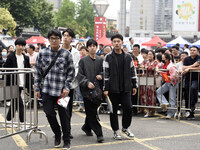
<point>49,103</point>
<point>70,105</point>
<point>91,119</point>
<point>14,106</point>
<point>123,98</point>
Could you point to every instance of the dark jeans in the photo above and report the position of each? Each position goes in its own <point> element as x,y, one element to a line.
<point>193,93</point>
<point>134,102</point>
<point>14,106</point>
<point>91,120</point>
<point>49,103</point>
<point>123,98</point>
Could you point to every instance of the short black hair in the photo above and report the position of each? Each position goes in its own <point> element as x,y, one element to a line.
<point>177,44</point>
<point>143,50</point>
<point>186,53</point>
<point>136,45</point>
<point>195,47</point>
<point>32,46</point>
<point>186,45</point>
<point>130,38</point>
<point>162,50</point>
<point>54,32</point>
<point>20,41</point>
<point>119,36</point>
<point>159,43</point>
<point>83,47</point>
<point>101,45</point>
<point>176,47</point>
<point>70,31</point>
<point>90,42</point>
<point>159,57</point>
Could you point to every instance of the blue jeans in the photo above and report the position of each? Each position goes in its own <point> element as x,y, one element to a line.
<point>193,93</point>
<point>172,98</point>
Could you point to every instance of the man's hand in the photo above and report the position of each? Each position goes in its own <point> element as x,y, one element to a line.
<point>65,93</point>
<point>134,91</point>
<point>91,85</point>
<point>99,77</point>
<point>37,94</point>
<point>105,93</point>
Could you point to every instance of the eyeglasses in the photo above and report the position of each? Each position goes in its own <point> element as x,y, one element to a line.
<point>54,39</point>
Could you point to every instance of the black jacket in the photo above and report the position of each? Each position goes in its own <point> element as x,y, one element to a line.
<point>88,70</point>
<point>111,73</point>
<point>11,62</point>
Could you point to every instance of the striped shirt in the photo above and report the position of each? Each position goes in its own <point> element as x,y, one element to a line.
<point>59,77</point>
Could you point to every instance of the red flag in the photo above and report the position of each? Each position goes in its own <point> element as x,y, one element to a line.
<point>165,77</point>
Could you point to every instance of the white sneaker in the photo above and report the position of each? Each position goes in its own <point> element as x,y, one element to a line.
<point>168,117</point>
<point>22,126</point>
<point>117,135</point>
<point>9,124</point>
<point>187,113</point>
<point>128,133</point>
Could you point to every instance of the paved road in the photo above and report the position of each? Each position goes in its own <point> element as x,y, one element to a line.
<point>154,133</point>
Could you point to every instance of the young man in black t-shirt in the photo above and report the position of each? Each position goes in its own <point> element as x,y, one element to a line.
<point>192,63</point>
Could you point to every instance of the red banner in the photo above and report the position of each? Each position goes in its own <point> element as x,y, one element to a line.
<point>100,27</point>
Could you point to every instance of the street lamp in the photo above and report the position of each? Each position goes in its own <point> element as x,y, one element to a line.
<point>100,22</point>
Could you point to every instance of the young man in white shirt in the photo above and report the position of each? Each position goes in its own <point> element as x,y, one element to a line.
<point>18,60</point>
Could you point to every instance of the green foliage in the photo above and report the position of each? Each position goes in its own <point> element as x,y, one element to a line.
<point>66,13</point>
<point>7,21</point>
<point>86,14</point>
<point>44,18</point>
<point>30,13</point>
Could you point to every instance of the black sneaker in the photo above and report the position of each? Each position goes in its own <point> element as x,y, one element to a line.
<point>88,133</point>
<point>71,136</point>
<point>66,146</point>
<point>190,117</point>
<point>57,141</point>
<point>100,139</point>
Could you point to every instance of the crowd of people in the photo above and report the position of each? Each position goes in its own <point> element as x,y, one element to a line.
<point>84,71</point>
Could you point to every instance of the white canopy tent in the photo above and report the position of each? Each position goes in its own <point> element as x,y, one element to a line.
<point>179,40</point>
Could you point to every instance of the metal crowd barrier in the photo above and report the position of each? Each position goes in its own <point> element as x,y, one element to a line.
<point>181,100</point>
<point>9,93</point>
<point>145,80</point>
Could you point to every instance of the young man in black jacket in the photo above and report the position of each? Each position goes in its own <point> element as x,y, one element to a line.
<point>90,71</point>
<point>120,80</point>
<point>18,60</point>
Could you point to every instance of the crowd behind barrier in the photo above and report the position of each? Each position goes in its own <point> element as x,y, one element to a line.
<point>21,115</point>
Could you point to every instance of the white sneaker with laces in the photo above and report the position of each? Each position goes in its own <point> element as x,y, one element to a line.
<point>168,117</point>
<point>128,133</point>
<point>9,124</point>
<point>117,135</point>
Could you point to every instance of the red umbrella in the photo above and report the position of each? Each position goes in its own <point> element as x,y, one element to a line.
<point>154,41</point>
<point>104,41</point>
<point>36,39</point>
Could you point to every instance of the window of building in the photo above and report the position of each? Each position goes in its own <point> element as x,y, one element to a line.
<point>137,34</point>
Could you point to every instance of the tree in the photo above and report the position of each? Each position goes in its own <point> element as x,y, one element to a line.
<point>30,13</point>
<point>66,13</point>
<point>7,21</point>
<point>44,18</point>
<point>85,16</point>
<point>78,29</point>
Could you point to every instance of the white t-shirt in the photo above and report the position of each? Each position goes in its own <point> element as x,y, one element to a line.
<point>20,64</point>
<point>179,66</point>
<point>187,50</point>
<point>140,58</point>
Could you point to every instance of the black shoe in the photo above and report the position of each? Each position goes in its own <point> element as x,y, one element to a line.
<point>57,141</point>
<point>66,146</point>
<point>71,136</point>
<point>100,139</point>
<point>88,133</point>
<point>190,117</point>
